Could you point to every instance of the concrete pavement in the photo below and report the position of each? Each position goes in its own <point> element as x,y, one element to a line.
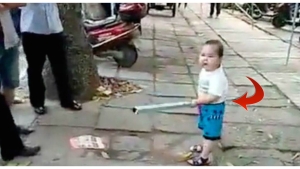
<point>167,70</point>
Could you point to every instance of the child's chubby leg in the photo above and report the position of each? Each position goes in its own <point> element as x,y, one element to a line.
<point>198,148</point>
<point>213,120</point>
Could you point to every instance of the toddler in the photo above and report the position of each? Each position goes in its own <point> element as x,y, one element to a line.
<point>212,91</point>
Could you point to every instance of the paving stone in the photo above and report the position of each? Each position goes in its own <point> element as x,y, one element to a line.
<point>130,101</point>
<point>195,69</point>
<point>145,44</point>
<point>128,156</point>
<point>166,50</point>
<point>55,144</point>
<point>174,78</point>
<point>187,40</point>
<point>289,89</point>
<point>185,33</point>
<point>263,116</point>
<point>187,49</point>
<point>176,123</point>
<point>234,62</point>
<point>267,103</point>
<point>278,77</point>
<point>140,71</point>
<point>176,59</point>
<point>172,69</point>
<point>186,143</point>
<point>269,92</point>
<point>250,157</point>
<point>166,36</point>
<point>57,116</point>
<point>130,143</point>
<point>167,89</point>
<point>259,45</point>
<point>166,43</point>
<point>275,65</point>
<point>270,54</point>
<point>123,119</point>
<point>261,137</point>
<point>23,114</point>
<point>241,79</point>
<point>174,145</point>
<point>163,142</point>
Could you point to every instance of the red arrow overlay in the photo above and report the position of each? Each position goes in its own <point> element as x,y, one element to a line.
<point>255,98</point>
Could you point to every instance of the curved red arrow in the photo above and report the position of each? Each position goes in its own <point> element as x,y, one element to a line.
<point>255,98</point>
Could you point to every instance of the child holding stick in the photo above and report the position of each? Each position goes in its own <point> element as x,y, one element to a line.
<point>212,91</point>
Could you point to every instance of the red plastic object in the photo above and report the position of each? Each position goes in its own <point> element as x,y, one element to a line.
<point>115,30</point>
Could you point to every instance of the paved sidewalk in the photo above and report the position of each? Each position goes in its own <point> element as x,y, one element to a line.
<point>167,70</point>
<point>265,25</point>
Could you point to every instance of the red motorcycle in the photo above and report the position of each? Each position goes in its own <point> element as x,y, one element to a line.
<point>115,36</point>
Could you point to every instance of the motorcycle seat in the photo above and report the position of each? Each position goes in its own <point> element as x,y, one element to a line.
<point>98,24</point>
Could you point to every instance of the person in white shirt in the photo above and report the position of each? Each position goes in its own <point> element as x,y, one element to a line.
<point>212,91</point>
<point>42,35</point>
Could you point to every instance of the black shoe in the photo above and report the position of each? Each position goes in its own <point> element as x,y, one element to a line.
<point>26,152</point>
<point>24,131</point>
<point>29,151</point>
<point>40,110</point>
<point>74,105</point>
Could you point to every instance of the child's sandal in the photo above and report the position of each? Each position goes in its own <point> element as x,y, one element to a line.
<point>198,161</point>
<point>196,148</point>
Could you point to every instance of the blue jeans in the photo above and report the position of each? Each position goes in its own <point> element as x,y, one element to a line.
<point>9,67</point>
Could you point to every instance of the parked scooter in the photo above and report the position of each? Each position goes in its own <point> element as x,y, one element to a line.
<point>258,10</point>
<point>284,15</point>
<point>114,37</point>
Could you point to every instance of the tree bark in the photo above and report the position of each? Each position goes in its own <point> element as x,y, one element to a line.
<point>84,78</point>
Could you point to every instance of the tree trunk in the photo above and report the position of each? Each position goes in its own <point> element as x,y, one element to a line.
<point>84,78</point>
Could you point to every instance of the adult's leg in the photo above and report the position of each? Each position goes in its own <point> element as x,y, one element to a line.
<point>57,55</point>
<point>10,142</point>
<point>185,5</point>
<point>218,8</point>
<point>34,49</point>
<point>10,73</point>
<point>212,9</point>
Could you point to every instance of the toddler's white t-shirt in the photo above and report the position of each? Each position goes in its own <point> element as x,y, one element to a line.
<point>214,83</point>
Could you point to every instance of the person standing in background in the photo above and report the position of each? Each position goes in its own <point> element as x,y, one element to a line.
<point>42,35</point>
<point>9,61</point>
<point>9,58</point>
<point>185,5</point>
<point>10,142</point>
<point>212,9</point>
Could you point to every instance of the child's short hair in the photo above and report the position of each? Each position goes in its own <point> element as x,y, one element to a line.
<point>217,43</point>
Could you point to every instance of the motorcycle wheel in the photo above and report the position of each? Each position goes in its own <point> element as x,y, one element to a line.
<point>174,10</point>
<point>130,56</point>
<point>278,21</point>
<point>256,14</point>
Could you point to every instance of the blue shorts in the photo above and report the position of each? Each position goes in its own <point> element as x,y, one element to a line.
<point>210,120</point>
<point>9,67</point>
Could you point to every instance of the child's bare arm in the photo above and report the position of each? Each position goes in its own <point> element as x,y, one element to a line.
<point>204,98</point>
